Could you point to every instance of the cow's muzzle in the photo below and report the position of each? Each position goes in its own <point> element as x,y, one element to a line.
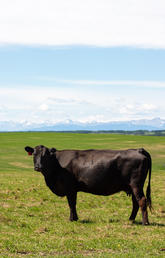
<point>38,169</point>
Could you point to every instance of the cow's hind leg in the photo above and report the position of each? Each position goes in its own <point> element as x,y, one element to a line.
<point>141,199</point>
<point>143,206</point>
<point>135,208</point>
<point>72,205</point>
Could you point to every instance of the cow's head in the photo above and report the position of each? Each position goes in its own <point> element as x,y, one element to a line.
<point>43,157</point>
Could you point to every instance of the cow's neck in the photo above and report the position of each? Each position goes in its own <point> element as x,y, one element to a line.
<point>50,179</point>
<point>51,175</point>
<point>53,181</point>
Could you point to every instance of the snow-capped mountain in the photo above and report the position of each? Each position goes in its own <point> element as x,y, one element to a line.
<point>69,125</point>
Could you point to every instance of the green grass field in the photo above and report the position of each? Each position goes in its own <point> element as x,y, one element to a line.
<point>34,222</point>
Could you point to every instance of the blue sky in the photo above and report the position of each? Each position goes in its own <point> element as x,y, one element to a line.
<point>84,61</point>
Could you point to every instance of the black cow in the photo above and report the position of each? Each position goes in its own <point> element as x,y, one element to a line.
<point>101,172</point>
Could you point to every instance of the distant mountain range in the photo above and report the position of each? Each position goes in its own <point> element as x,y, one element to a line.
<point>69,125</point>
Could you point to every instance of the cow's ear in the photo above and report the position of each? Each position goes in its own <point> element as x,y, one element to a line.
<point>30,150</point>
<point>52,151</point>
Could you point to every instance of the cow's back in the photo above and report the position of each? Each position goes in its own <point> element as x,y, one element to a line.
<point>84,157</point>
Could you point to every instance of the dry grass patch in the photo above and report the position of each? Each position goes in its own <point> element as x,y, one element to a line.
<point>20,165</point>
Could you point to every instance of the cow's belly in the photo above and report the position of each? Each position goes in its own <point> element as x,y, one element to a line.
<point>104,184</point>
<point>101,191</point>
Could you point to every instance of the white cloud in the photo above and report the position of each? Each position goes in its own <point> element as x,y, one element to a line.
<point>137,83</point>
<point>136,23</point>
<point>136,109</point>
<point>54,104</point>
<point>148,107</point>
<point>43,107</point>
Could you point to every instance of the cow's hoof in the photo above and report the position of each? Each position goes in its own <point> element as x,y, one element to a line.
<point>145,223</point>
<point>132,219</point>
<point>73,219</point>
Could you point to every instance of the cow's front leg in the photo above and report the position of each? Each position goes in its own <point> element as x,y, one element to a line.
<point>72,205</point>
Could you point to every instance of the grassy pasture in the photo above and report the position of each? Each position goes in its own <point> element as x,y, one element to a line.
<point>34,222</point>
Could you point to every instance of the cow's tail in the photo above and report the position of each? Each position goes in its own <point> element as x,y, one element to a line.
<point>148,191</point>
